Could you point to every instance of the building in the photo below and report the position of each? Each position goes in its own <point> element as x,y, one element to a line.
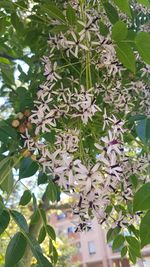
<point>92,250</point>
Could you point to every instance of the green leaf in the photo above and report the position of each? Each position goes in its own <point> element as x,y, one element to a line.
<point>42,235</point>
<point>59,28</point>
<point>15,249</point>
<point>6,178</point>
<point>134,180</point>
<point>119,31</point>
<point>145,230</point>
<point>134,245</point>
<point>118,242</point>
<point>124,251</point>
<point>54,12</point>
<point>133,230</point>
<point>51,232</point>
<point>4,161</point>
<point>23,99</point>
<point>132,255</point>
<point>125,55</point>
<point>4,221</point>
<point>42,178</point>
<point>50,246</point>
<point>35,217</point>
<point>34,245</point>
<point>143,130</point>
<point>4,60</point>
<point>124,6</point>
<point>142,42</point>
<point>17,23</point>
<point>138,117</point>
<point>50,137</point>
<point>7,5</point>
<point>5,170</point>
<point>3,23</point>
<point>108,209</point>
<point>52,192</point>
<point>35,205</point>
<point>111,13</point>
<point>42,260</point>
<point>8,182</point>
<point>20,220</point>
<point>71,15</point>
<point>28,168</point>
<point>144,2</point>
<point>141,199</point>
<point>6,131</point>
<point>26,197</point>
<point>42,212</point>
<point>37,252</point>
<point>103,29</point>
<point>111,234</point>
<point>55,255</point>
<point>8,74</point>
<point>131,35</point>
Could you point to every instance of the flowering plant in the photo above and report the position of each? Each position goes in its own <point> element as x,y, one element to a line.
<point>90,121</point>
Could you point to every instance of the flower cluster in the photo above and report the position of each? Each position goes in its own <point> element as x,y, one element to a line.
<point>76,104</point>
<point>140,9</point>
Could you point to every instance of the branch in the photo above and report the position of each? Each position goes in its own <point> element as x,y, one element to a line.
<point>65,206</point>
<point>46,206</point>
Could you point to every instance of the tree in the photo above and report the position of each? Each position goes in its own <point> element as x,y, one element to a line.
<point>66,253</point>
<point>84,125</point>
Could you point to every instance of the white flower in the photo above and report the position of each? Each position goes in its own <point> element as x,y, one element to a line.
<point>89,27</point>
<point>87,177</point>
<point>68,141</point>
<point>63,169</point>
<point>114,168</point>
<point>111,143</point>
<point>75,44</point>
<point>29,141</point>
<point>84,103</point>
<point>50,70</point>
<point>140,8</point>
<point>108,58</point>
<point>117,126</point>
<point>43,119</point>
<point>106,119</point>
<point>45,91</point>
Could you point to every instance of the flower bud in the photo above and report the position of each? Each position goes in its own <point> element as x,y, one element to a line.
<point>33,157</point>
<point>20,115</point>
<point>26,153</point>
<point>15,123</point>
<point>29,125</point>
<point>27,112</point>
<point>22,128</point>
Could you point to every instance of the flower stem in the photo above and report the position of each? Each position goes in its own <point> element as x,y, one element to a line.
<point>88,58</point>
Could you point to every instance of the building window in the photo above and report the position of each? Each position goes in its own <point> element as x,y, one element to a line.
<point>91,247</point>
<point>61,216</point>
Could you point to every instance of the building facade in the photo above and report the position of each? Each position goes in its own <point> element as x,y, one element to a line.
<point>92,249</point>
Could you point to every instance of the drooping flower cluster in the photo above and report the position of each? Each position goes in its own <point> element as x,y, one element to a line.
<point>126,97</point>
<point>55,101</point>
<point>74,104</point>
